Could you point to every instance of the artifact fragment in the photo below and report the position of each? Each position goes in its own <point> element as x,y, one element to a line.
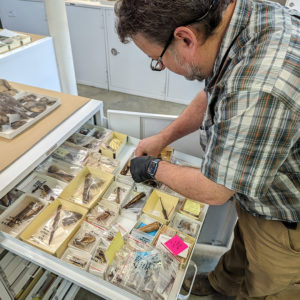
<point>30,210</point>
<point>163,209</point>
<point>73,218</point>
<point>150,227</point>
<point>55,223</point>
<point>135,199</point>
<point>60,173</point>
<point>85,240</point>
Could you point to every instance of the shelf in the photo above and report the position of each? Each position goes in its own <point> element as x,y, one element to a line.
<point>21,167</point>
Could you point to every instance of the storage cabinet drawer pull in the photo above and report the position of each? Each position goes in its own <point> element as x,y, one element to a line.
<point>114,51</point>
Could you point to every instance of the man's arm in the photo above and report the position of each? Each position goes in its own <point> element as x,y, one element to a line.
<point>188,122</point>
<point>191,183</point>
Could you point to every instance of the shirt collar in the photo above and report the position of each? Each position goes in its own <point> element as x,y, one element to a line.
<point>238,22</point>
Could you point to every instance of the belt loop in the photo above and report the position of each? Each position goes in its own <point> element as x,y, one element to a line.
<point>290,225</point>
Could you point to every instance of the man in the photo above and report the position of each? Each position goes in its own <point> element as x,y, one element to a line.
<point>248,52</point>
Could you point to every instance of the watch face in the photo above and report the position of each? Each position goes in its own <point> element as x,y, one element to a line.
<point>152,168</point>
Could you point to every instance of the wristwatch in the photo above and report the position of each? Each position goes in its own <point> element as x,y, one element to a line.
<point>152,167</point>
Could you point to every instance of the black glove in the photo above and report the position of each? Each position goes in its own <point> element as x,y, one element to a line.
<point>143,168</point>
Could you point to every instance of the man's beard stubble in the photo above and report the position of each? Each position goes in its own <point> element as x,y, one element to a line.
<point>194,72</point>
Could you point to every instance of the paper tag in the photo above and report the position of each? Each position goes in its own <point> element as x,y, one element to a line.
<point>192,207</point>
<point>61,152</point>
<point>114,246</point>
<point>176,245</point>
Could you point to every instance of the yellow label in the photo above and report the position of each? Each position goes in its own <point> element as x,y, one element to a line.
<point>61,152</point>
<point>116,244</point>
<point>192,207</point>
<point>114,144</point>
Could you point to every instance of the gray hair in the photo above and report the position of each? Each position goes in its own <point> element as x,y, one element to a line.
<point>157,19</point>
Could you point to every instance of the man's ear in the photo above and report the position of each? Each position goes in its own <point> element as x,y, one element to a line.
<point>186,38</point>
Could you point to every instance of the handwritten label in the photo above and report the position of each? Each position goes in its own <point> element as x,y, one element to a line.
<point>176,245</point>
<point>192,207</point>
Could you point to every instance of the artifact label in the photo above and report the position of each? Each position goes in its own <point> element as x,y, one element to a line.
<point>176,245</point>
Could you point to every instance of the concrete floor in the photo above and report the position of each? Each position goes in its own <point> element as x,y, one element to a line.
<point>127,102</point>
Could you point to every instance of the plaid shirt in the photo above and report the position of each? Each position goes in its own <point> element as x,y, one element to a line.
<point>253,116</point>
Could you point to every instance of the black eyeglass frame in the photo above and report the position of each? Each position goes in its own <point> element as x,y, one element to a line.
<point>156,64</point>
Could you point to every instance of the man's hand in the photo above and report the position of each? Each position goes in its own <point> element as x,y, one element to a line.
<point>152,145</point>
<point>140,167</point>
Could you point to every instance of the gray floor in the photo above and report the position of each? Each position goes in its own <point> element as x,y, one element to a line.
<point>120,101</point>
<point>127,102</point>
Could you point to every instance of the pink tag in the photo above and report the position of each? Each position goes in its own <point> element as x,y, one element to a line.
<point>176,245</point>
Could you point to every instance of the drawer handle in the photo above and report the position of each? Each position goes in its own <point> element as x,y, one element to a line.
<point>114,52</point>
<point>183,297</point>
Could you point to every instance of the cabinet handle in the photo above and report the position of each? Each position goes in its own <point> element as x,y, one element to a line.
<point>114,51</point>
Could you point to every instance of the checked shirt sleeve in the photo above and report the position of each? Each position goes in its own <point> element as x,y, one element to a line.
<point>249,140</point>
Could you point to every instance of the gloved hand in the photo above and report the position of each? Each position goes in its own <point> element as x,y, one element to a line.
<point>143,168</point>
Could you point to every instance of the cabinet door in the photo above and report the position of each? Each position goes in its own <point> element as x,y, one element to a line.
<point>86,26</point>
<point>181,90</point>
<point>129,67</point>
<point>26,16</point>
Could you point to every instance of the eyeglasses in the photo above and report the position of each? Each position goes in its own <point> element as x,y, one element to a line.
<point>157,64</point>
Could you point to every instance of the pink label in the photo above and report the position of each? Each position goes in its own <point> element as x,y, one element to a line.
<point>176,245</point>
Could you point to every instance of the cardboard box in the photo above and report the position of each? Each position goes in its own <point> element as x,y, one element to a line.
<point>154,208</point>
<point>86,238</point>
<point>77,258</point>
<point>42,186</point>
<point>113,151</point>
<point>75,190</point>
<point>146,220</point>
<point>111,193</point>
<point>166,154</point>
<point>186,224</point>
<point>171,232</point>
<point>16,217</point>
<point>63,233</point>
<point>194,209</point>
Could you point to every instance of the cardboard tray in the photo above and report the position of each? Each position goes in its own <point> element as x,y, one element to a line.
<point>14,210</point>
<point>73,186</point>
<point>153,206</point>
<point>194,209</point>
<point>43,217</point>
<point>35,183</point>
<point>166,230</point>
<point>110,153</point>
<point>11,133</point>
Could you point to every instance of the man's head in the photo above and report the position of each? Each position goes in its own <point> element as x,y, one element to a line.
<point>179,27</point>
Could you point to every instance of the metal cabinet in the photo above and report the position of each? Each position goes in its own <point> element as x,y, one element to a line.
<point>87,33</point>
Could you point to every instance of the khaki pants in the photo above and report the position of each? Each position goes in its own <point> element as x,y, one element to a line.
<point>263,262</point>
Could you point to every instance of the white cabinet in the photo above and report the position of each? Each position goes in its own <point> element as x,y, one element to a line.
<point>294,4</point>
<point>86,25</point>
<point>100,59</point>
<point>32,64</point>
<point>181,90</point>
<point>129,67</point>
<point>24,15</point>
